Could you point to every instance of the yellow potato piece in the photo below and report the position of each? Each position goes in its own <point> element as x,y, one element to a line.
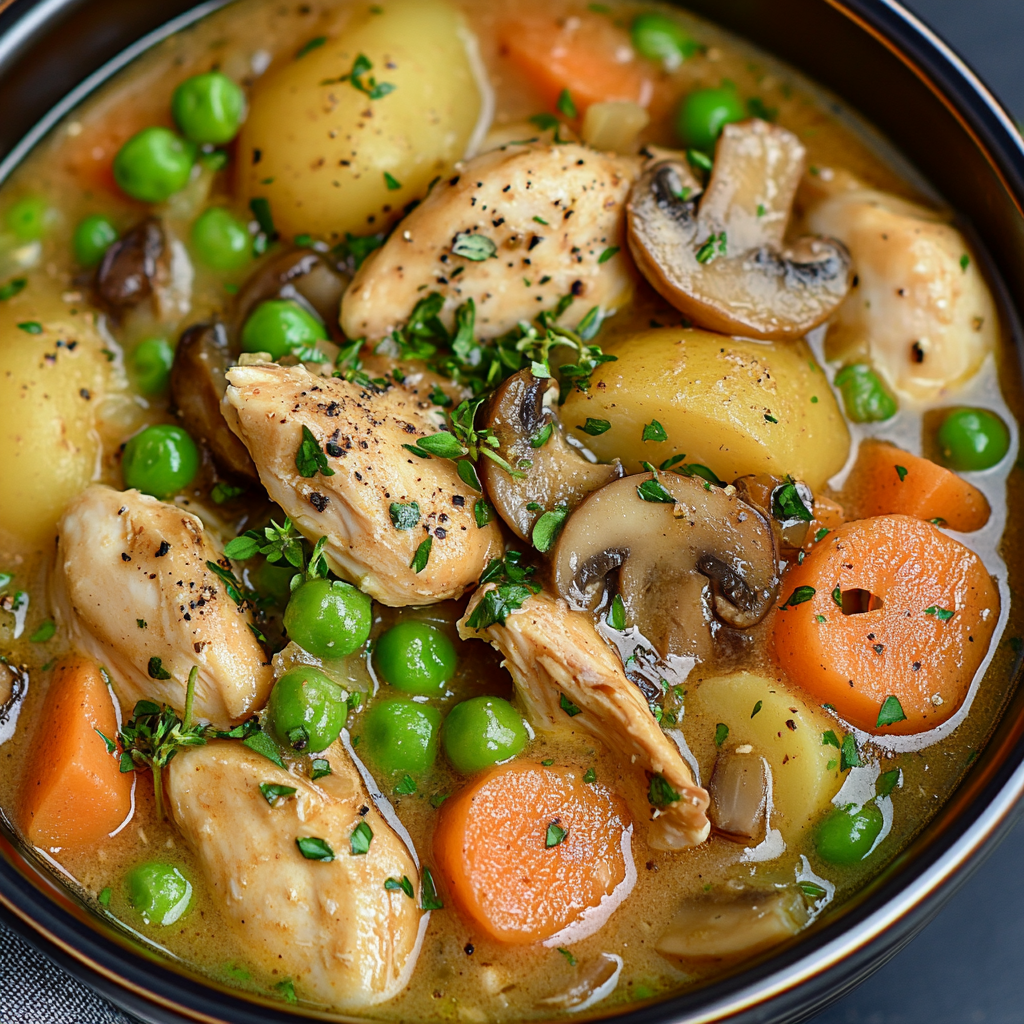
<point>735,406</point>
<point>320,153</point>
<point>50,386</point>
<point>786,731</point>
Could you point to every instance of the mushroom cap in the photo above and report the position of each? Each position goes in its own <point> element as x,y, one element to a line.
<point>720,257</point>
<point>559,474</point>
<point>686,567</point>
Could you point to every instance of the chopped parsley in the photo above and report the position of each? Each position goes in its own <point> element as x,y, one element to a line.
<point>9,290</point>
<point>829,739</point>
<point>617,614</point>
<point>310,459</point>
<point>542,436</point>
<point>721,733</point>
<point>654,490</point>
<point>407,786</point>
<point>715,246</point>
<point>590,775</point>
<point>555,834</point>
<point>394,885</point>
<point>260,743</point>
<point>313,44</point>
<point>474,247</point>
<point>887,782</point>
<point>653,431</point>
<point>787,504</point>
<point>156,669</point>
<point>942,614</point>
<point>275,794</point>
<point>404,517</point>
<point>607,254</point>
<point>595,427</point>
<point>890,712</point>
<point>422,555</point>
<point>548,526</point>
<point>757,707</point>
<point>360,839</point>
<point>514,588</point>
<point>44,632</point>
<point>287,987</point>
<point>319,768</point>
<point>392,183</point>
<point>429,900</point>
<point>901,472</point>
<point>570,959</point>
<point>361,67</point>
<point>799,596</point>
<point>567,706</point>
<point>483,512</point>
<point>565,105</point>
<point>314,848</point>
<point>103,899</point>
<point>660,793</point>
<point>31,327</point>
<point>849,755</point>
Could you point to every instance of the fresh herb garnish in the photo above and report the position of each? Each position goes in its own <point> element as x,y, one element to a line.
<point>483,512</point>
<point>422,555</point>
<point>429,900</point>
<point>319,768</point>
<point>788,505</point>
<point>310,459</point>
<point>287,987</point>
<point>31,327</point>
<point>942,614</point>
<point>607,254</point>
<point>714,247</point>
<point>721,733</point>
<point>407,786</point>
<point>887,782</point>
<point>590,775</point>
<point>548,526</point>
<point>314,848</point>
<point>275,794</point>
<point>362,836</point>
<point>361,66</point>
<point>394,885</point>
<point>757,707</point>
<point>595,427</point>
<point>565,105</point>
<point>901,472</point>
<point>555,834</point>
<point>514,588</point>
<point>815,892</point>
<point>44,632</point>
<point>9,290</point>
<point>617,614</point>
<point>849,755</point>
<point>474,247</point>
<point>653,431</point>
<point>154,734</point>
<point>103,899</point>
<point>567,706</point>
<point>313,44</point>
<point>829,738</point>
<point>561,949</point>
<point>260,743</point>
<point>391,182</point>
<point>660,793</point>
<point>799,596</point>
<point>654,490</point>
<point>890,712</point>
<point>404,517</point>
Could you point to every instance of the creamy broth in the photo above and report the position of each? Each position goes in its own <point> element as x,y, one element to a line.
<point>460,973</point>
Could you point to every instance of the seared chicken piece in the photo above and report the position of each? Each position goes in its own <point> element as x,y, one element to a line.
<point>552,652</point>
<point>515,230</point>
<point>133,588</point>
<point>329,925</point>
<point>362,430</point>
<point>919,307</point>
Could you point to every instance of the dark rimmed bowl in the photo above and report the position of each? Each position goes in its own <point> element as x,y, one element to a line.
<point>905,80</point>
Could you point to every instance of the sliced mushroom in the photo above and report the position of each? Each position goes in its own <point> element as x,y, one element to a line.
<point>520,414</point>
<point>302,275</point>
<point>685,567</point>
<point>738,788</point>
<point>712,929</point>
<point>197,387</point>
<point>129,270</point>
<point>721,259</point>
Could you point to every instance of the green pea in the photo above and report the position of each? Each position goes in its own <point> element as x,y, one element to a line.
<point>306,710</point>
<point>704,113</point>
<point>151,362</point>
<point>659,37</point>
<point>92,238</point>
<point>866,398</point>
<point>279,326</point>
<point>159,892</point>
<point>328,618</point>
<point>972,439</point>
<point>401,736</point>
<point>847,835</point>
<point>208,108</point>
<point>275,581</point>
<point>482,731</point>
<point>160,461</point>
<point>415,657</point>
<point>28,218</point>
<point>154,164</point>
<point>221,240</point>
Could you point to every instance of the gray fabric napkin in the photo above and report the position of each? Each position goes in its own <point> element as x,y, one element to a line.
<point>35,991</point>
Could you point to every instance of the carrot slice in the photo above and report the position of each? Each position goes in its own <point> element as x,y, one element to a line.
<point>526,850</point>
<point>583,54</point>
<point>73,792</point>
<point>887,608</point>
<point>886,480</point>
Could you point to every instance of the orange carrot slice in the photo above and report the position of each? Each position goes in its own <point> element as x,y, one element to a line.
<point>586,55</point>
<point>525,850</point>
<point>73,793</point>
<point>887,620</point>
<point>886,480</point>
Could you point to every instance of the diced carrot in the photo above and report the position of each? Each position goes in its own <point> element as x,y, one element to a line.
<point>585,54</point>
<point>882,608</point>
<point>886,480</point>
<point>525,850</point>
<point>73,792</point>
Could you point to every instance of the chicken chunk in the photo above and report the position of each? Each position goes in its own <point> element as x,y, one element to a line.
<point>516,230</point>
<point>363,430</point>
<point>551,652</point>
<point>919,308</point>
<point>133,587</point>
<point>329,925</point>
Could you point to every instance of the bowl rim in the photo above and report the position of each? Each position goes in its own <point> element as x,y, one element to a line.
<point>38,910</point>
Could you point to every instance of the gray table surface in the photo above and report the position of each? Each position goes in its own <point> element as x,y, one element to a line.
<point>967,965</point>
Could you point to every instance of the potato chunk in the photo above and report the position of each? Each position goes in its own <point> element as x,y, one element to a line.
<point>50,384</point>
<point>334,155</point>
<point>734,406</point>
<point>781,728</point>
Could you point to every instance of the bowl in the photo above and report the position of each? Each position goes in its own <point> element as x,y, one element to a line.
<point>897,73</point>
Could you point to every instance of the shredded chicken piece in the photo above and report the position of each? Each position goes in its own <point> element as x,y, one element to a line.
<point>133,588</point>
<point>551,652</point>
<point>362,430</point>
<point>919,307</point>
<point>551,212</point>
<point>330,926</point>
